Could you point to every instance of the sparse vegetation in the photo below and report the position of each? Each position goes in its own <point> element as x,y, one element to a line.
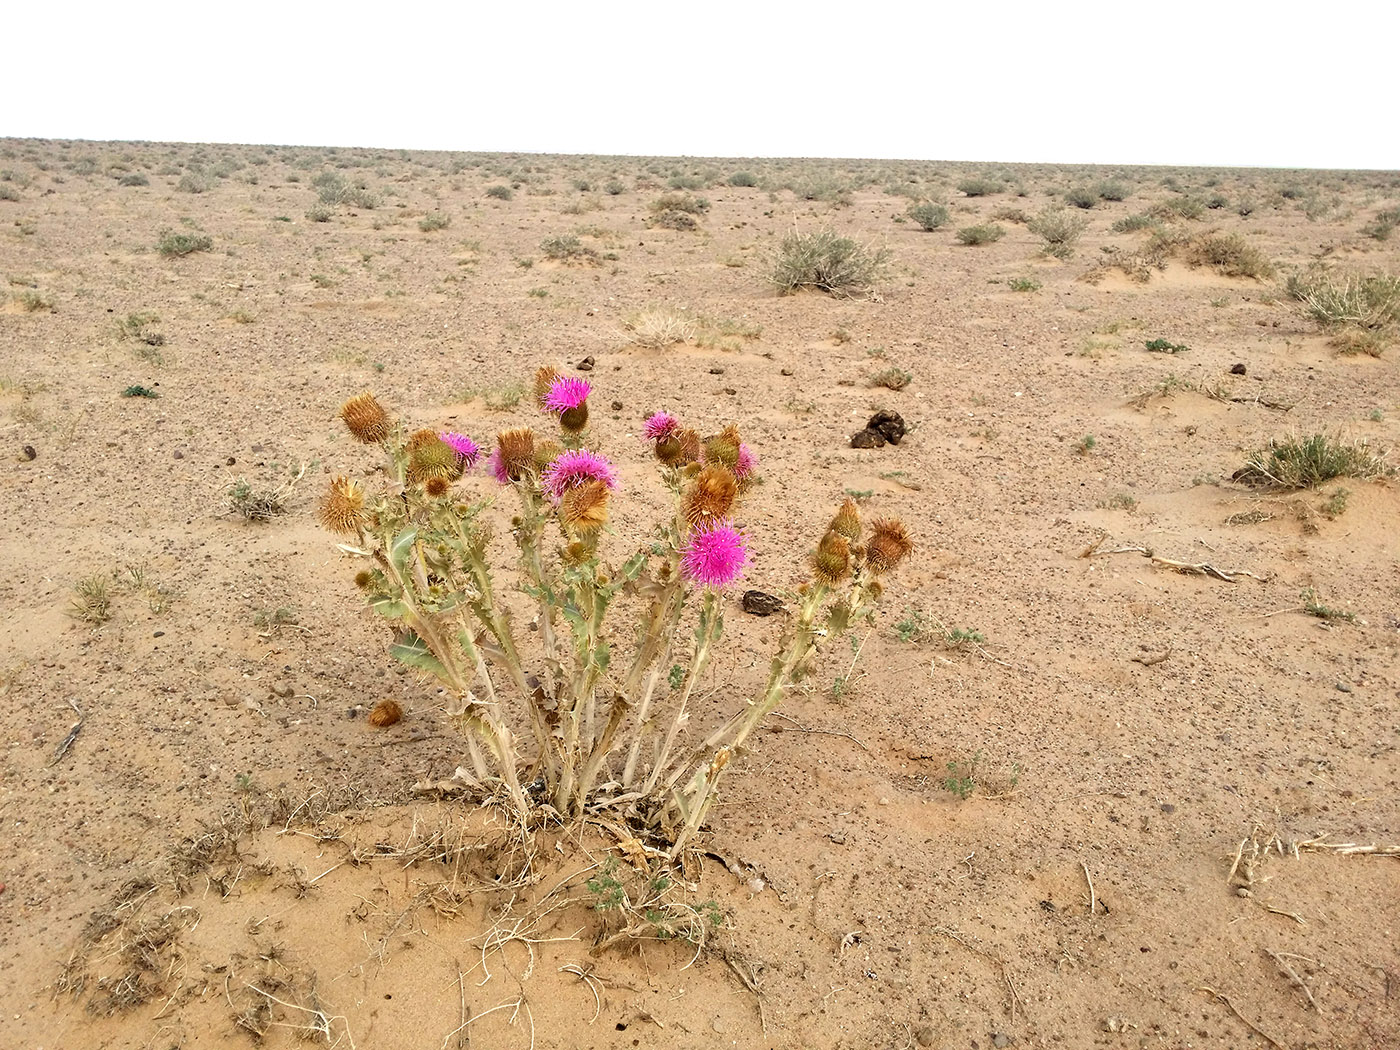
<point>1133,223</point>
<point>434,221</point>
<point>928,215</point>
<point>1306,462</point>
<point>983,233</point>
<point>1313,607</point>
<point>1229,254</point>
<point>567,248</point>
<point>1362,311</point>
<point>660,327</point>
<point>1059,229</point>
<point>826,261</point>
<point>500,192</point>
<point>92,599</point>
<point>1165,346</point>
<point>980,187</point>
<point>892,378</point>
<point>1023,284</point>
<point>173,245</point>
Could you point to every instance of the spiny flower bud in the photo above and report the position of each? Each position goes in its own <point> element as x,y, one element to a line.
<point>889,544</point>
<point>436,486</point>
<point>723,448</point>
<point>430,457</point>
<point>544,377</point>
<point>363,579</point>
<point>341,506</point>
<point>710,497</point>
<point>847,521</point>
<point>832,562</point>
<point>365,418</point>
<point>546,452</point>
<point>691,447</point>
<point>514,455</point>
<point>584,508</point>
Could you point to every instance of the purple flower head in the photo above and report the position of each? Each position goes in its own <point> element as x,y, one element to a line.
<point>661,426</point>
<point>468,451</point>
<point>497,467</point>
<point>714,556</point>
<point>566,392</point>
<point>745,463</point>
<point>574,467</point>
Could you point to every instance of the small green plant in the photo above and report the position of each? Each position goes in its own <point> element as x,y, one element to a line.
<point>1133,223</point>
<point>1335,505</point>
<point>983,233</point>
<point>962,776</point>
<point>1229,254</point>
<point>92,599</point>
<point>1119,501</point>
<point>1023,284</point>
<point>271,620</point>
<point>1086,444</point>
<point>499,398</point>
<point>434,221</point>
<point>892,378</point>
<point>173,245</point>
<point>139,391</point>
<point>928,215</point>
<point>500,193</point>
<point>32,302</point>
<point>826,261</point>
<point>1306,462</point>
<point>961,637</point>
<point>1313,607</point>
<point>538,293</point>
<point>743,178</point>
<point>567,248</point>
<point>1165,346</point>
<point>980,187</point>
<point>1375,415</point>
<point>913,628</point>
<point>860,495</point>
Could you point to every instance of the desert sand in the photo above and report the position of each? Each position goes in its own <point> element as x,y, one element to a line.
<point>1067,795</point>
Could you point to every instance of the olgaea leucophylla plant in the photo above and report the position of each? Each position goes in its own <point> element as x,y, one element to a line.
<point>554,718</point>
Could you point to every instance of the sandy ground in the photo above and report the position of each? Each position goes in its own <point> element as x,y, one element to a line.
<point>227,853</point>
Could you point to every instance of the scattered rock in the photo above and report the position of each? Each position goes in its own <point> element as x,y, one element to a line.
<point>760,604</point>
<point>178,454</point>
<point>617,406</point>
<point>586,365</point>
<point>1167,807</point>
<point>158,634</point>
<point>385,714</point>
<point>730,390</point>
<point>924,1035</point>
<point>283,690</point>
<point>230,461</point>
<point>838,837</point>
<point>1001,1039</point>
<point>1238,369</point>
<point>867,438</point>
<point>718,370</point>
<point>787,371</point>
<point>27,453</point>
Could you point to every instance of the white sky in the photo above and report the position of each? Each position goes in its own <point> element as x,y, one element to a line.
<point>1191,83</point>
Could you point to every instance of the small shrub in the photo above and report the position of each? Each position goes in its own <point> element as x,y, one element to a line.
<point>827,261</point>
<point>567,248</point>
<point>1384,223</point>
<point>682,202</point>
<point>928,215</point>
<point>614,187</point>
<point>1313,607</point>
<point>1229,254</point>
<point>1113,190</point>
<point>1179,208</point>
<point>1024,284</point>
<point>190,182</point>
<point>659,328</point>
<point>980,187</point>
<point>1133,223</point>
<point>255,505</point>
<point>32,302</point>
<point>434,221</point>
<point>984,233</point>
<point>1059,229</point>
<point>1216,201</point>
<point>1163,346</point>
<point>139,391</point>
<point>134,179</point>
<point>173,244</point>
<point>673,220</point>
<point>500,193</point>
<point>1362,310</point>
<point>92,599</point>
<point>1016,215</point>
<point>8,192</point>
<point>685,182</point>
<point>320,213</point>
<point>1307,462</point>
<point>892,378</point>
<point>1081,197</point>
<point>743,178</point>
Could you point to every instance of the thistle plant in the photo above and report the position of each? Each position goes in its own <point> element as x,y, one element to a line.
<point>566,720</point>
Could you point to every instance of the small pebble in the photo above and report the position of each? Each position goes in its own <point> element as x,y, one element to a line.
<point>586,365</point>
<point>1238,369</point>
<point>787,371</point>
<point>28,452</point>
<point>178,454</point>
<point>617,406</point>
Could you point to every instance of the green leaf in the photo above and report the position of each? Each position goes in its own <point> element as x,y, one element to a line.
<point>413,651</point>
<point>389,608</point>
<point>400,549</point>
<point>601,656</point>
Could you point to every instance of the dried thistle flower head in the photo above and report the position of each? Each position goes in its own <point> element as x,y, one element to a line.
<point>365,417</point>
<point>847,521</point>
<point>363,579</point>
<point>436,486</point>
<point>419,438</point>
<point>691,448</point>
<point>430,457</point>
<point>889,544</point>
<point>514,456</point>
<point>710,497</point>
<point>342,506</point>
<point>832,562</point>
<point>584,508</point>
<point>544,377</point>
<point>385,714</point>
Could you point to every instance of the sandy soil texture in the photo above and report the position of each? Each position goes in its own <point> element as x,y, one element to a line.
<point>1086,785</point>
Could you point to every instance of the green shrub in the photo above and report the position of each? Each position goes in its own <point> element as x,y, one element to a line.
<point>1307,462</point>
<point>1059,229</point>
<point>1113,190</point>
<point>684,202</point>
<point>685,182</point>
<point>980,187</point>
<point>825,260</point>
<point>743,178</point>
<point>134,179</point>
<point>892,378</point>
<point>567,248</point>
<point>1132,223</point>
<point>1229,254</point>
<point>1385,222</point>
<point>984,233</point>
<point>500,193</point>
<point>928,215</point>
<point>1024,284</point>
<point>1081,197</point>
<point>1164,346</point>
<point>1179,208</point>
<point>173,244</point>
<point>433,221</point>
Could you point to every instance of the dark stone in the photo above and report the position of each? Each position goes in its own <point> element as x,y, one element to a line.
<point>867,439</point>
<point>718,370</point>
<point>1238,369</point>
<point>230,461</point>
<point>28,452</point>
<point>761,604</point>
<point>889,424</point>
<point>787,371</point>
<point>178,454</point>
<point>586,365</point>
<point>617,406</point>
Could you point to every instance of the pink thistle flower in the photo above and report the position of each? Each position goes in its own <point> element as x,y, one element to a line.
<point>745,463</point>
<point>566,392</point>
<point>714,556</point>
<point>575,467</point>
<point>468,451</point>
<point>497,467</point>
<point>660,426</point>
